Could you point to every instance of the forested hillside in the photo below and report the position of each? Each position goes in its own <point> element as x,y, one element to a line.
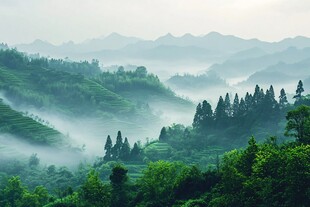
<point>262,174</point>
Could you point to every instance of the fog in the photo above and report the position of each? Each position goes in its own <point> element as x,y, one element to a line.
<point>12,147</point>
<point>89,133</point>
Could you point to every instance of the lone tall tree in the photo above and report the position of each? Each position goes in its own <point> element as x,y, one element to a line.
<point>299,90</point>
<point>108,149</point>
<point>282,98</point>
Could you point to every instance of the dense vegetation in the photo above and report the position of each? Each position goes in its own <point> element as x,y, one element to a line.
<point>266,174</point>
<point>186,166</point>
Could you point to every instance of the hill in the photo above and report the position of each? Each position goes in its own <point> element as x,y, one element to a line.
<point>28,129</point>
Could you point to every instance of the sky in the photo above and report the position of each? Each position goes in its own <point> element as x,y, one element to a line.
<point>58,21</point>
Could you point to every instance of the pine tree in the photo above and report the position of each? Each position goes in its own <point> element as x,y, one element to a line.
<point>242,107</point>
<point>227,105</point>
<point>236,106</point>
<point>197,117</point>
<point>108,149</point>
<point>163,134</point>
<point>256,95</point>
<point>282,98</point>
<point>125,150</point>
<point>135,152</point>
<point>207,115</point>
<point>220,109</point>
<point>248,100</point>
<point>117,147</point>
<point>299,90</point>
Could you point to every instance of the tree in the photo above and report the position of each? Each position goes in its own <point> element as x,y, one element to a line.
<point>248,157</point>
<point>282,98</point>
<point>13,192</point>
<point>220,109</point>
<point>206,115</point>
<point>158,182</point>
<point>299,90</point>
<point>235,108</point>
<point>94,192</point>
<point>163,134</point>
<point>256,95</point>
<point>227,105</point>
<point>198,117</point>
<point>108,149</point>
<point>298,124</point>
<point>118,145</point>
<point>135,152</point>
<point>242,107</point>
<point>34,160</point>
<point>125,150</point>
<point>118,180</point>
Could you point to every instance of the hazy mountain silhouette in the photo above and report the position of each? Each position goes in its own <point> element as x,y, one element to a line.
<point>246,67</point>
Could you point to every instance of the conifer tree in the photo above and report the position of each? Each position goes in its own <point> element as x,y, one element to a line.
<point>220,109</point>
<point>242,107</point>
<point>125,150</point>
<point>282,98</point>
<point>108,149</point>
<point>235,107</point>
<point>227,105</point>
<point>163,134</point>
<point>299,90</point>
<point>256,95</point>
<point>135,152</point>
<point>117,147</point>
<point>207,115</point>
<point>198,116</point>
<point>248,100</point>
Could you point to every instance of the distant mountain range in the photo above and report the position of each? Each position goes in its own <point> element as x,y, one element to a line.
<point>232,68</point>
<point>213,46</point>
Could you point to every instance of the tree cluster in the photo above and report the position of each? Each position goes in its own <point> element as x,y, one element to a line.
<point>121,150</point>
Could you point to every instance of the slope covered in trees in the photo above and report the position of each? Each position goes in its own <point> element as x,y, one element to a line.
<point>266,174</point>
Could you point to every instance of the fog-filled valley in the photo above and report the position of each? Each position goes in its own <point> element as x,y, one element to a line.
<point>203,111</point>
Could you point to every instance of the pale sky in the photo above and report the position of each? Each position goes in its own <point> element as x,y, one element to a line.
<point>58,21</point>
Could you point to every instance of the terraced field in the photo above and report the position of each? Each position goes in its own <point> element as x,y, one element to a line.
<point>13,122</point>
<point>60,90</point>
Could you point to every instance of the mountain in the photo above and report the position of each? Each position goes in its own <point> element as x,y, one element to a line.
<point>280,73</point>
<point>246,67</point>
<point>192,83</point>
<point>120,49</point>
<point>113,41</point>
<point>249,53</point>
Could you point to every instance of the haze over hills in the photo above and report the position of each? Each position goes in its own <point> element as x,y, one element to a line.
<point>217,43</point>
<point>232,58</point>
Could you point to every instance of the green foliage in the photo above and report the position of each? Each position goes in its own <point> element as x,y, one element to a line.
<point>108,148</point>
<point>158,181</point>
<point>298,124</point>
<point>119,188</point>
<point>94,192</point>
